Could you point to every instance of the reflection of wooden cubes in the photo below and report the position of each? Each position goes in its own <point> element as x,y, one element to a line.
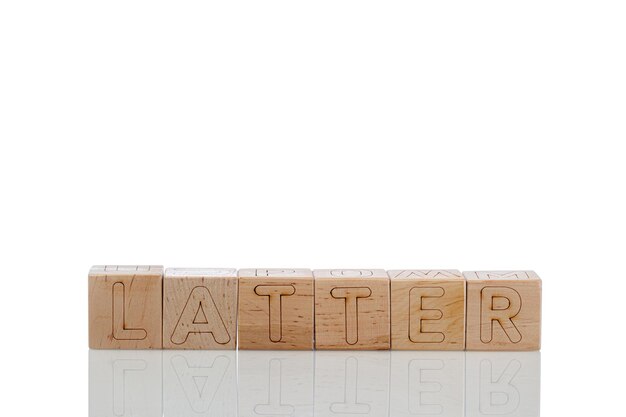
<point>276,383</point>
<point>503,310</point>
<point>200,308</point>
<point>351,309</point>
<point>352,384</point>
<point>276,309</point>
<point>427,384</point>
<point>125,307</point>
<point>427,310</point>
<point>198,383</point>
<point>125,383</point>
<point>502,384</point>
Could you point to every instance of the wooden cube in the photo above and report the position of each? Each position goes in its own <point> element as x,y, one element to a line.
<point>352,309</point>
<point>125,307</point>
<point>427,309</point>
<point>200,308</point>
<point>503,310</point>
<point>276,309</point>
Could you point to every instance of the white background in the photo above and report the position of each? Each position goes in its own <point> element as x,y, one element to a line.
<point>470,135</point>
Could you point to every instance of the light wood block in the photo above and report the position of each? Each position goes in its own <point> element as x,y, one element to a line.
<point>125,307</point>
<point>352,309</point>
<point>503,310</point>
<point>276,309</point>
<point>200,308</point>
<point>427,309</point>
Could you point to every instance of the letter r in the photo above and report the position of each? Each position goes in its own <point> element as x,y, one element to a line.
<point>501,305</point>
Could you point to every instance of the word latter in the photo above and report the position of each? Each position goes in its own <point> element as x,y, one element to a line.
<point>147,307</point>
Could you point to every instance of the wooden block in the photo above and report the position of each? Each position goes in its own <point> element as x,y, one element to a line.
<point>427,309</point>
<point>200,308</point>
<point>276,309</point>
<point>125,307</point>
<point>352,309</point>
<point>503,310</point>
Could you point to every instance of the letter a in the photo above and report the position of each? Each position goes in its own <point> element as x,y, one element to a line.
<point>200,315</point>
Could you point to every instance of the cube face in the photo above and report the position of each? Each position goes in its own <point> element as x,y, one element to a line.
<point>352,309</point>
<point>427,310</point>
<point>276,309</point>
<point>200,308</point>
<point>125,306</point>
<point>503,310</point>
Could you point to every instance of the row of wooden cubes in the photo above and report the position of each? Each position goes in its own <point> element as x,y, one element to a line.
<point>145,307</point>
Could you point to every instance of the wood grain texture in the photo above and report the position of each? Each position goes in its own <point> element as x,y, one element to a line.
<point>503,310</point>
<point>352,309</point>
<point>427,309</point>
<point>276,309</point>
<point>125,304</point>
<point>200,308</point>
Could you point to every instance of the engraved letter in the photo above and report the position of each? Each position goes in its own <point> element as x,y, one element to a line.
<point>200,315</point>
<point>275,293</point>
<point>499,304</point>
<point>351,295</point>
<point>120,330</point>
<point>419,315</point>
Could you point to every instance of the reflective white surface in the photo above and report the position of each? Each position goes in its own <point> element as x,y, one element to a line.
<point>322,383</point>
